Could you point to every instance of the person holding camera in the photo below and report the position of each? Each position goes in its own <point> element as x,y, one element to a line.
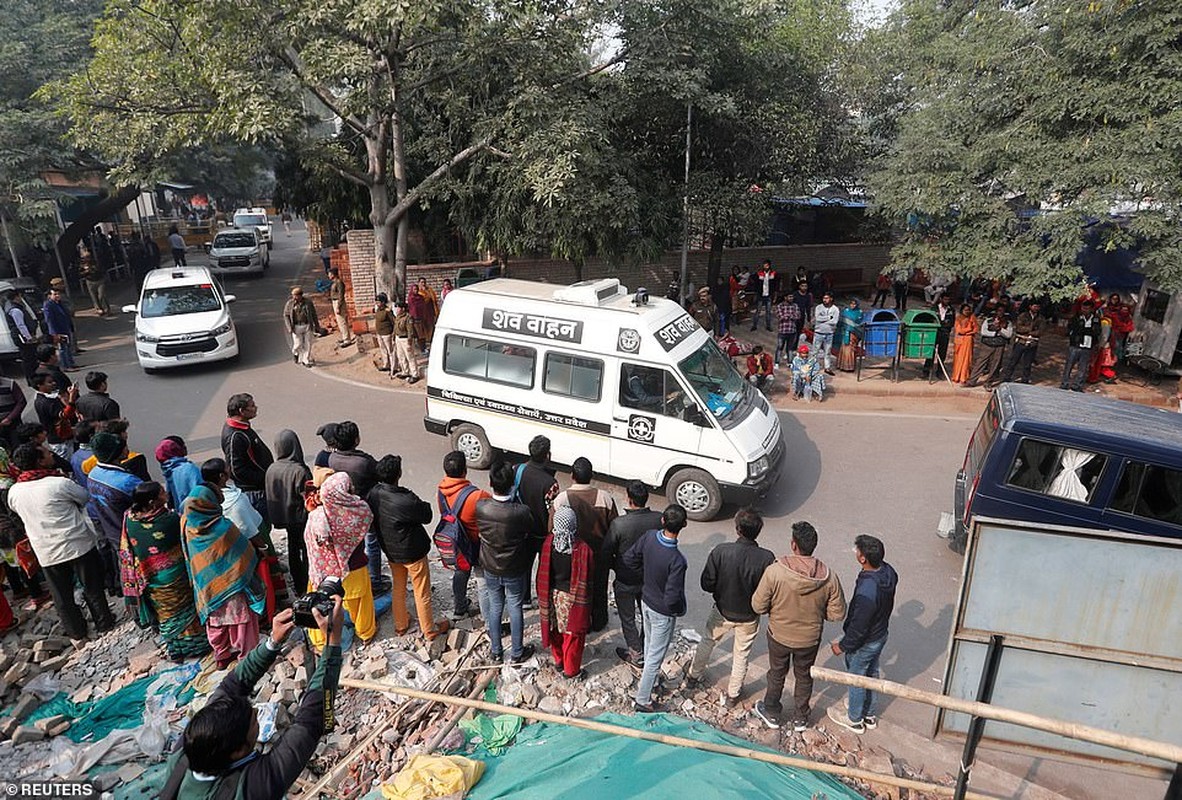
<point>218,758</point>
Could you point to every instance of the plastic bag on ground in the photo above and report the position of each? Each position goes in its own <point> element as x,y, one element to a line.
<point>425,777</point>
<point>44,686</point>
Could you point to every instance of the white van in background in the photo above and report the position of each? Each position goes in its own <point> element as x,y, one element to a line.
<point>632,383</point>
<point>255,218</point>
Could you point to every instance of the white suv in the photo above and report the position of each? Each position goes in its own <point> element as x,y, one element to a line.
<point>238,251</point>
<point>255,218</point>
<point>182,316</point>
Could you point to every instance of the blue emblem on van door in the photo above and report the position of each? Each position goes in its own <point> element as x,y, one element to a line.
<point>641,428</point>
<point>629,341</point>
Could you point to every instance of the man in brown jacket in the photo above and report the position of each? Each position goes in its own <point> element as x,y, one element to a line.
<point>798,593</point>
<point>595,509</point>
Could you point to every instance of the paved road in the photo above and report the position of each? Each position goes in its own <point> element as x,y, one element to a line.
<point>849,472</point>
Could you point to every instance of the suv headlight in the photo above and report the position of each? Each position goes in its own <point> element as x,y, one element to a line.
<point>757,467</point>
<point>221,329</point>
<point>143,337</point>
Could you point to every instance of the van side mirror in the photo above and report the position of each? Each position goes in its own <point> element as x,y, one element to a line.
<point>208,246</point>
<point>128,309</point>
<point>692,414</point>
<point>230,298</point>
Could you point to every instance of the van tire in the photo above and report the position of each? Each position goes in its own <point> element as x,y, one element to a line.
<point>470,440</point>
<point>697,492</point>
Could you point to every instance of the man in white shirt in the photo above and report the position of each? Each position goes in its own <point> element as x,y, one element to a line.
<point>53,510</point>
<point>825,319</point>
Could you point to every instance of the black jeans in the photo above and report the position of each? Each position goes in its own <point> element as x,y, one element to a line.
<point>297,557</point>
<point>800,659</point>
<point>89,570</point>
<point>600,577</point>
<point>628,604</point>
<point>459,591</point>
<point>1024,355</point>
<point>941,350</point>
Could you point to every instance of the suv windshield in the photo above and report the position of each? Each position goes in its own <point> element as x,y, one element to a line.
<point>171,301</point>
<point>233,240</point>
<point>715,380</point>
<point>242,220</point>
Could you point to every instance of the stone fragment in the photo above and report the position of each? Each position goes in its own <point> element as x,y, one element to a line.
<point>25,734</point>
<point>875,759</point>
<point>530,695</point>
<point>56,663</point>
<point>142,658</point>
<point>25,706</point>
<point>550,705</point>
<point>8,726</point>
<point>377,668</point>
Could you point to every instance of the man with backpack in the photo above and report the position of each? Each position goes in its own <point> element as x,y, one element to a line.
<point>535,487</point>
<point>457,499</point>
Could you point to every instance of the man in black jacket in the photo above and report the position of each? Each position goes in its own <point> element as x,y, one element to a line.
<point>505,529</point>
<point>399,516</point>
<point>731,574</point>
<point>536,488</point>
<point>1083,334</point>
<point>623,532</point>
<point>219,757</point>
<point>866,628</point>
<point>945,316</point>
<point>362,470</point>
<point>247,457</point>
<point>96,405</point>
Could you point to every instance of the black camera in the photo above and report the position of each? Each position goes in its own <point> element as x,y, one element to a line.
<point>320,599</point>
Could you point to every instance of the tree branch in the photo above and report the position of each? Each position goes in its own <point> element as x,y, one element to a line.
<point>595,70</point>
<point>412,197</point>
<point>290,57</point>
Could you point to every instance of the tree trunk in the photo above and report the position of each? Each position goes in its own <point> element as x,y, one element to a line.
<point>67,243</point>
<point>384,244</point>
<point>398,165</point>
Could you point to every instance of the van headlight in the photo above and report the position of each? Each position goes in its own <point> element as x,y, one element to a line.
<point>221,329</point>
<point>143,337</point>
<point>757,467</point>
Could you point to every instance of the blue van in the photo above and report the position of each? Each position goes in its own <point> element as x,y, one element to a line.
<point>1047,456</point>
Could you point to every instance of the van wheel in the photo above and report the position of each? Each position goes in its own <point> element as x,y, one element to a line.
<point>697,492</point>
<point>471,441</point>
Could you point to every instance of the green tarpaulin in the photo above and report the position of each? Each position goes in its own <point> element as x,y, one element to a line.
<point>556,761</point>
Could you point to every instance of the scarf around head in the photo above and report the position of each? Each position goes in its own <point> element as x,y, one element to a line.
<point>336,528</point>
<point>566,523</point>
<point>222,561</point>
<point>169,448</point>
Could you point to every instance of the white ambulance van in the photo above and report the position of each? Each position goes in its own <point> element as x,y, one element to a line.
<point>632,383</point>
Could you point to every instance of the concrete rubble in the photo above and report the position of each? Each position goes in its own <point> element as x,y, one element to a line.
<point>376,733</point>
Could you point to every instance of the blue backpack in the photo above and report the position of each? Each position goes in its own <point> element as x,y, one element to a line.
<point>456,549</point>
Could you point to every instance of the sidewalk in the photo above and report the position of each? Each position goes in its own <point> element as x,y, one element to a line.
<point>357,363</point>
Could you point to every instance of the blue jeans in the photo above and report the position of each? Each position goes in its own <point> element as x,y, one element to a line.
<point>1076,357</point>
<point>786,344</point>
<point>373,552</point>
<point>864,661</point>
<point>496,593</point>
<point>658,634</point>
<point>65,354</point>
<point>724,319</point>
<point>766,304</point>
<point>823,346</point>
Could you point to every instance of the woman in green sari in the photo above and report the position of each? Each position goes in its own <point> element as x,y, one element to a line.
<point>152,538</point>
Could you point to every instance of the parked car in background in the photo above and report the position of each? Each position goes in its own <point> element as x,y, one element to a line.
<point>182,316</point>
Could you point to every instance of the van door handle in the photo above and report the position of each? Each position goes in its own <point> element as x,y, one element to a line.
<point>620,419</point>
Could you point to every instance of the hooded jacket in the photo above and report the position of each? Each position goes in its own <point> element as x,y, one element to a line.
<point>284,483</point>
<point>450,488</point>
<point>870,607</point>
<point>798,593</point>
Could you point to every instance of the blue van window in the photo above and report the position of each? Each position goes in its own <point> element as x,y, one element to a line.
<point>1150,492</point>
<point>1056,471</point>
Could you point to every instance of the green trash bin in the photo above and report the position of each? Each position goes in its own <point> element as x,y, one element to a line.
<point>920,328</point>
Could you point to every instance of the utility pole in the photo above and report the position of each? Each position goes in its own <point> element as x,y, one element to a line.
<point>685,203</point>
<point>16,265</point>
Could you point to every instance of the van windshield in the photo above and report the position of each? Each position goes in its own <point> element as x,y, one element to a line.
<point>715,380</point>
<point>175,300</point>
<point>227,240</point>
<point>243,220</point>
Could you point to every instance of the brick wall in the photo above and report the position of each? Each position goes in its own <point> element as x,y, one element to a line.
<point>362,265</point>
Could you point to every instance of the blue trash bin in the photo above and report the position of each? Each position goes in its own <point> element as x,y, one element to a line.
<point>881,328</point>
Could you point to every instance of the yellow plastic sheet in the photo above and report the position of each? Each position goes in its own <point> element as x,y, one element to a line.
<point>425,777</point>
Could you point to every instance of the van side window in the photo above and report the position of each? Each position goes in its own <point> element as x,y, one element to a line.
<point>499,362</point>
<point>651,389</point>
<point>573,376</point>
<point>1057,471</point>
<point>1149,491</point>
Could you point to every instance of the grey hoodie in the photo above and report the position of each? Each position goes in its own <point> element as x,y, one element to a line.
<point>284,482</point>
<point>798,593</point>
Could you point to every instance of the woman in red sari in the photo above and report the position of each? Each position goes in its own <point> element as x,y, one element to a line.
<point>564,593</point>
<point>964,331</point>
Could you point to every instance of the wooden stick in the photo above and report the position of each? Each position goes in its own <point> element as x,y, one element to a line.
<point>1072,730</point>
<point>677,741</point>
<point>454,718</point>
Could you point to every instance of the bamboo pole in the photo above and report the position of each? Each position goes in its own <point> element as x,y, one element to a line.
<point>1072,730</point>
<point>454,718</point>
<point>677,741</point>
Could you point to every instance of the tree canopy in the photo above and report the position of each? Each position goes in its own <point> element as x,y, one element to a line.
<point>1027,123</point>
